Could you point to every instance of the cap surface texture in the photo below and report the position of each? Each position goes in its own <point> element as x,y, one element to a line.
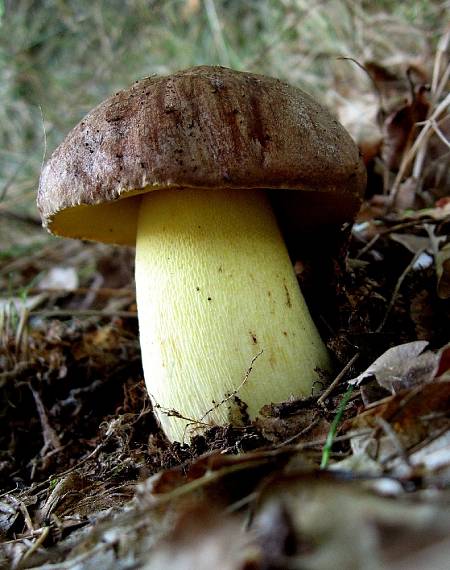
<point>205,127</point>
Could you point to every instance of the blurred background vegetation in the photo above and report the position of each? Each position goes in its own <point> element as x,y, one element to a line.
<point>59,58</point>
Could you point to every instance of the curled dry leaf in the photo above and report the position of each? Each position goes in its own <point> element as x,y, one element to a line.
<point>406,419</point>
<point>394,81</point>
<point>393,365</point>
<point>399,368</point>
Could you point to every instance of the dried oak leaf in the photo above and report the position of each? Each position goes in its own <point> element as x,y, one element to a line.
<point>402,366</point>
<point>409,413</point>
<point>399,129</point>
<point>208,469</point>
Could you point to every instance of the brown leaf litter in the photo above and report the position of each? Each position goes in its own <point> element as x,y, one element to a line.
<point>89,480</point>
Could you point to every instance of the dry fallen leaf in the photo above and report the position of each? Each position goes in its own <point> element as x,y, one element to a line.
<point>403,421</point>
<point>400,130</point>
<point>395,365</point>
<point>341,524</point>
<point>412,242</point>
<point>203,539</point>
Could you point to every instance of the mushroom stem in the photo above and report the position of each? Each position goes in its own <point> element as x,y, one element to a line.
<point>215,287</point>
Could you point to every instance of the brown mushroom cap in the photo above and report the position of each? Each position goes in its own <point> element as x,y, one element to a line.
<point>205,127</point>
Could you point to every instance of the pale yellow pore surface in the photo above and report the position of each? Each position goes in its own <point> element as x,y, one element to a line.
<point>215,287</point>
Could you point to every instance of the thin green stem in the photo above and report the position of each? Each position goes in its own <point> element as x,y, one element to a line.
<point>333,429</point>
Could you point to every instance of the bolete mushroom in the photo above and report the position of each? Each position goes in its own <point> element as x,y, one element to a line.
<point>186,168</point>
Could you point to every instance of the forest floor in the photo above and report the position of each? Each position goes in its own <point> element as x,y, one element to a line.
<point>355,476</point>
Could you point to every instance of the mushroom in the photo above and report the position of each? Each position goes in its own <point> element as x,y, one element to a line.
<point>187,168</point>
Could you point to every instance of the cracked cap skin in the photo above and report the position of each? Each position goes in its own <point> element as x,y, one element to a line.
<point>205,127</point>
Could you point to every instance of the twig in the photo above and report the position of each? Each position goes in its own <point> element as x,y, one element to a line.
<point>83,313</point>
<point>397,287</point>
<point>101,291</point>
<point>91,294</point>
<point>40,487</point>
<point>440,134</point>
<point>18,370</point>
<point>172,413</point>
<point>31,304</point>
<point>368,246</point>
<point>22,537</point>
<point>26,516</point>
<point>23,509</point>
<point>367,72</point>
<point>51,439</point>
<point>200,421</point>
<point>440,53</point>
<point>297,435</point>
<point>393,438</point>
<point>338,378</point>
<point>238,505</point>
<point>431,438</point>
<point>36,544</point>
<point>421,155</point>
<point>21,329</point>
<point>235,391</point>
<point>412,152</point>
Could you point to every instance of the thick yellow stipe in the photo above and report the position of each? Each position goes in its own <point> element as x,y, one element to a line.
<point>215,287</point>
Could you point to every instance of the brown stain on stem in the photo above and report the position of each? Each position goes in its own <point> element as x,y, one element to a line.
<point>288,296</point>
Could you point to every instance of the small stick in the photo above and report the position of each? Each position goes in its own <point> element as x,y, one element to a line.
<point>397,288</point>
<point>83,313</point>
<point>393,438</point>
<point>37,543</point>
<point>51,439</point>
<point>368,246</point>
<point>338,378</point>
<point>411,154</point>
<point>231,395</point>
<point>440,134</point>
<point>104,291</point>
<point>236,390</point>
<point>305,430</point>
